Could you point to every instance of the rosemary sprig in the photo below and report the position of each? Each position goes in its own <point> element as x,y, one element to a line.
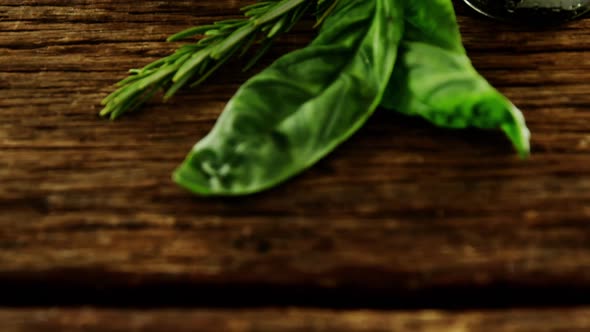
<point>192,64</point>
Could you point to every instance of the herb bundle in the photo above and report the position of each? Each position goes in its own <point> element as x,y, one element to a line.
<point>403,55</point>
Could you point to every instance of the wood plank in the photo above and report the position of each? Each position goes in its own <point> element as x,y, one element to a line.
<point>402,209</point>
<point>293,320</point>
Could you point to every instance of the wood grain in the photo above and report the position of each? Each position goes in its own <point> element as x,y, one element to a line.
<point>293,320</point>
<point>403,212</point>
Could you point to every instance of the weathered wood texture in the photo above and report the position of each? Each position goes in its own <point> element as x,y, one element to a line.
<point>402,209</point>
<point>271,320</point>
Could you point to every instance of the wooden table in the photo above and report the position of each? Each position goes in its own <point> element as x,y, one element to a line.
<point>404,228</point>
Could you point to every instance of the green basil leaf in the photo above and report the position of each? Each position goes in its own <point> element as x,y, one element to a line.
<point>444,88</point>
<point>435,79</point>
<point>303,106</point>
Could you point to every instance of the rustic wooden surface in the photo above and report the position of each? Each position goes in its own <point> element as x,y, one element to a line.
<point>289,320</point>
<point>403,215</point>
